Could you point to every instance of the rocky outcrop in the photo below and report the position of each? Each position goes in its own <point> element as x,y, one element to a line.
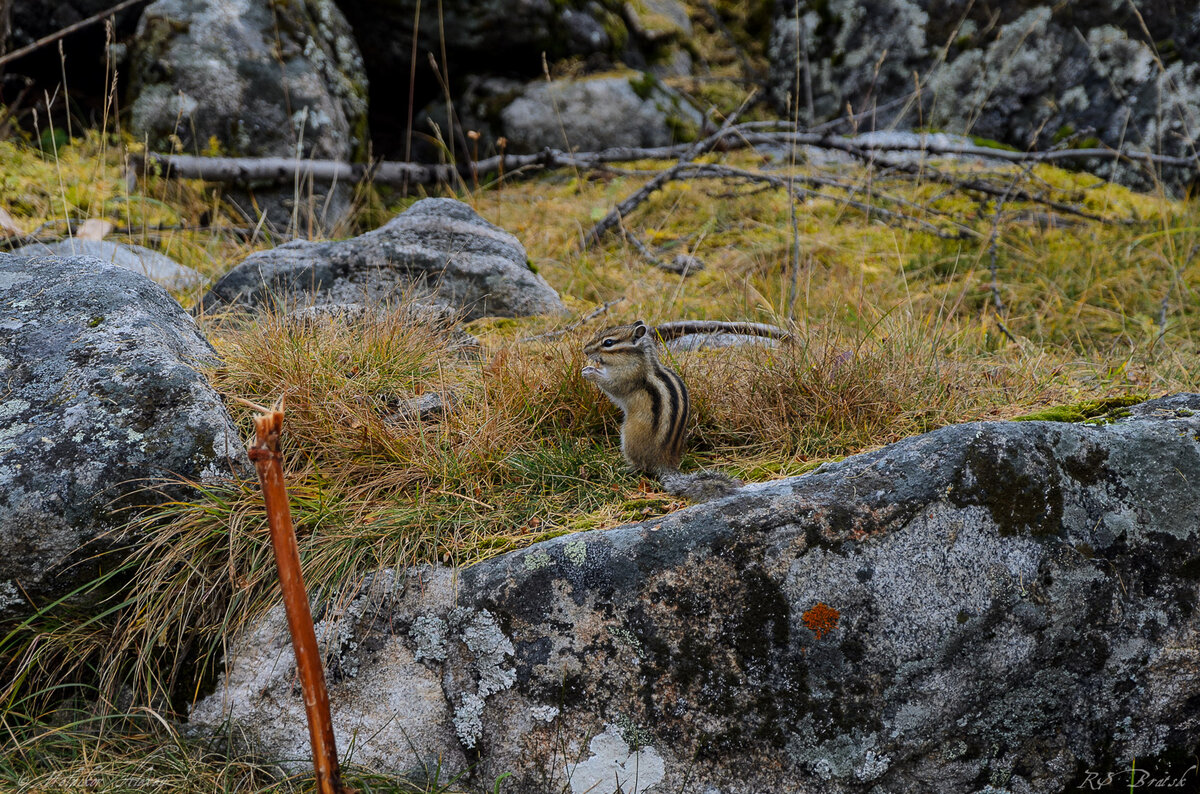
<point>257,79</point>
<point>151,264</point>
<point>101,399</point>
<point>439,251</point>
<point>997,606</point>
<point>1032,74</point>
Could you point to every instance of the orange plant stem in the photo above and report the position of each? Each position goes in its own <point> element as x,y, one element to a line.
<point>265,453</point>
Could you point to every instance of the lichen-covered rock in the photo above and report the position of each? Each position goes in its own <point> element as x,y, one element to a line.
<point>591,114</point>
<point>101,399</point>
<point>438,250</point>
<point>158,268</point>
<point>257,79</point>
<point>1002,605</point>
<point>1032,74</point>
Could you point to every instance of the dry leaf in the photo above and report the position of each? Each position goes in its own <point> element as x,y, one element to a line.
<point>93,229</point>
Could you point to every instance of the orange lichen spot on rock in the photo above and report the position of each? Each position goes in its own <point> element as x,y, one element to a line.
<point>821,619</point>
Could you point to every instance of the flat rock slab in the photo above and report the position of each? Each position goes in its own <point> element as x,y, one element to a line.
<point>438,250</point>
<point>151,264</point>
<point>101,398</point>
<point>1000,604</point>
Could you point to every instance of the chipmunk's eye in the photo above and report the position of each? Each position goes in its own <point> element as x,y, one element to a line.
<point>607,343</point>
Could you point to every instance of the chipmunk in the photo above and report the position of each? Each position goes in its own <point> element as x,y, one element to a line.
<point>623,363</point>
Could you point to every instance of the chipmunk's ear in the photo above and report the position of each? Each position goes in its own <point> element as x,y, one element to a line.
<point>639,330</point>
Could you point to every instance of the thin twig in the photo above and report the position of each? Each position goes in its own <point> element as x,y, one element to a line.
<point>795,283</point>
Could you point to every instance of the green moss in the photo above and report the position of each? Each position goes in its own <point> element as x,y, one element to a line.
<point>681,129</point>
<point>1108,409</point>
<point>1064,132</point>
<point>643,84</point>
<point>991,144</point>
<point>617,32</point>
<point>95,321</point>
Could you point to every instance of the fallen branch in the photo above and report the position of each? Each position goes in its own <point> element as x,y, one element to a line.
<point>283,170</point>
<point>677,328</point>
<point>268,426</point>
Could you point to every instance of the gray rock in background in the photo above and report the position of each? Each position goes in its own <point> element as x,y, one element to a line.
<point>987,607</point>
<point>438,250</point>
<point>101,399</point>
<point>1034,75</point>
<point>591,114</point>
<point>259,78</point>
<point>158,268</point>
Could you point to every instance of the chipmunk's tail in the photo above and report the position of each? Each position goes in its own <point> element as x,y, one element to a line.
<point>702,486</point>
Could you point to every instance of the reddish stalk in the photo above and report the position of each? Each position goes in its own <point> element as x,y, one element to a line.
<point>268,426</point>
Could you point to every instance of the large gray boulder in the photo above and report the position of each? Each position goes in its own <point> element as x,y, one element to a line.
<point>439,250</point>
<point>1029,74</point>
<point>260,79</point>
<point>101,399</point>
<point>997,606</point>
<point>155,266</point>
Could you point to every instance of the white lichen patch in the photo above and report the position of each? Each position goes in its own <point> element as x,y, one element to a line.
<point>492,651</point>
<point>613,767</point>
<point>9,596</point>
<point>544,713</point>
<point>576,551</point>
<point>468,720</point>
<point>536,560</point>
<point>429,634</point>
<point>10,408</point>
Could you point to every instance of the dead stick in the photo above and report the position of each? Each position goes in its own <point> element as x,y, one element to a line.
<point>265,453</point>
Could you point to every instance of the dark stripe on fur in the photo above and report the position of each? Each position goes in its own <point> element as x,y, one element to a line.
<point>655,408</point>
<point>663,376</point>
<point>679,402</point>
